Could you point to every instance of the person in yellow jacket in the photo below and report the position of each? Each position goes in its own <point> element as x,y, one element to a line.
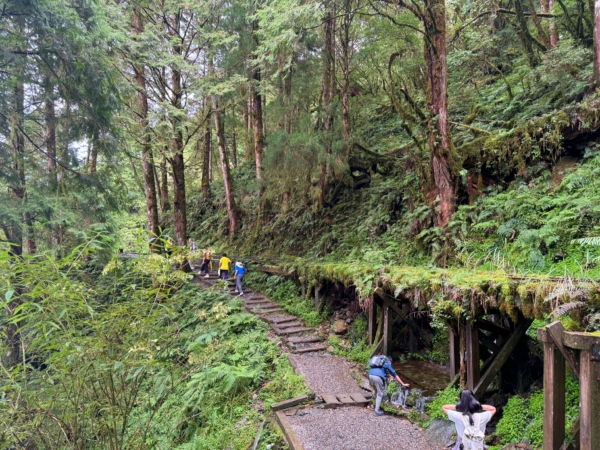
<point>224,266</point>
<point>206,261</point>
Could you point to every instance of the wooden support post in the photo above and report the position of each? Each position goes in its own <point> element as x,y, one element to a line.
<point>554,393</point>
<point>589,384</point>
<point>454,354</point>
<point>462,334</point>
<point>500,358</point>
<point>387,329</point>
<point>372,322</point>
<point>316,297</point>
<point>589,399</point>
<point>303,290</point>
<point>555,331</point>
<point>472,336</point>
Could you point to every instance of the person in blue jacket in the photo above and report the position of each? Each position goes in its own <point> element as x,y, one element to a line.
<point>240,270</point>
<point>382,370</point>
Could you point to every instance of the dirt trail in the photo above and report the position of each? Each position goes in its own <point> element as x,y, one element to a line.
<point>331,381</point>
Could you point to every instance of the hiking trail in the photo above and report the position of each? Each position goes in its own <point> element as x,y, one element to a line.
<point>337,419</point>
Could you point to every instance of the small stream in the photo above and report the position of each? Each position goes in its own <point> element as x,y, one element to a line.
<point>424,378</point>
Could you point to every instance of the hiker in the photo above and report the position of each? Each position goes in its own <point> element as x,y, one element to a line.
<point>240,270</point>
<point>192,245</point>
<point>206,257</point>
<point>224,267</point>
<point>169,246</point>
<point>382,370</point>
<point>470,418</point>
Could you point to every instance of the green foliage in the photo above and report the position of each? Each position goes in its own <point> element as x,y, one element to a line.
<point>169,365</point>
<point>523,417</point>
<point>448,396</point>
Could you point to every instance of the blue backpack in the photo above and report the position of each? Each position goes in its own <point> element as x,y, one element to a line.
<point>377,362</point>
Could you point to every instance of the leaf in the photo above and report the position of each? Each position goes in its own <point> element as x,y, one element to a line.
<point>9,295</point>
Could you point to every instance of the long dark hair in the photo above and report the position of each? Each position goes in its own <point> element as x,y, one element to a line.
<point>468,405</point>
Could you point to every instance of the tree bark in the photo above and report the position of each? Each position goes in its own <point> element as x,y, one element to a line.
<point>206,157</point>
<point>17,191</point>
<point>94,154</point>
<point>523,32</point>
<point>440,144</point>
<point>234,148</point>
<point>164,186</point>
<point>347,18</point>
<point>546,6</point>
<point>229,199</point>
<point>147,156</point>
<point>328,93</point>
<point>177,162</point>
<point>597,41</point>
<point>257,112</point>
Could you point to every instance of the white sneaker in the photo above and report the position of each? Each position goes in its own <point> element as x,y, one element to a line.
<point>237,290</point>
<point>241,293</point>
<point>206,276</point>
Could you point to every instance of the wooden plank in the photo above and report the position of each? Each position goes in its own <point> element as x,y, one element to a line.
<point>580,341</point>
<point>304,339</point>
<point>454,353</point>
<point>290,435</point>
<point>377,349</point>
<point>589,399</point>
<point>387,329</point>
<point>501,357</point>
<point>492,327</point>
<point>556,330</point>
<point>331,401</point>
<point>554,397</point>
<point>289,403</point>
<point>573,441</point>
<point>359,399</point>
<point>472,355</point>
<point>312,348</point>
<point>372,321</point>
<point>345,399</point>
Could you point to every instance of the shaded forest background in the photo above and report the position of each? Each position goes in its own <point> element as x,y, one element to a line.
<point>421,133</point>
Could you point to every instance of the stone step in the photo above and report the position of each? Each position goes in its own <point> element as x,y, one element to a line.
<point>257,302</point>
<point>277,319</point>
<point>304,339</point>
<point>306,348</point>
<point>263,312</point>
<point>289,331</point>
<point>359,399</point>
<point>256,297</point>
<point>286,325</point>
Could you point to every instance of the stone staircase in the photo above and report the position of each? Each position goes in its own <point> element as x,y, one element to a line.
<point>293,332</point>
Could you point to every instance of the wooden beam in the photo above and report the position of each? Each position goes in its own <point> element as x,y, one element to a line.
<point>317,298</point>
<point>554,397</point>
<point>454,353</point>
<point>589,399</point>
<point>555,331</point>
<point>372,322</point>
<point>501,357</point>
<point>387,329</point>
<point>472,355</point>
<point>403,315</point>
<point>492,327</point>
<point>489,343</point>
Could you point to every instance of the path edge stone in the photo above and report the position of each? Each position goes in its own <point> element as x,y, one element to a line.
<point>290,435</point>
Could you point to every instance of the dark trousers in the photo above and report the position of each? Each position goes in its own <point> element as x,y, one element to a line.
<point>205,266</point>
<point>225,274</point>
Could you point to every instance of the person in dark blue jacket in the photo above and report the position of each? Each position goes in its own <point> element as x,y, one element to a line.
<point>378,376</point>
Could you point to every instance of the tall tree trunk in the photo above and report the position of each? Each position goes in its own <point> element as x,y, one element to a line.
<point>328,94</point>
<point>597,41</point>
<point>94,154</point>
<point>147,156</point>
<point>347,19</point>
<point>234,148</point>
<point>257,111</point>
<point>287,125</point>
<point>524,35</point>
<point>50,120</point>
<point>206,157</point>
<point>177,162</point>
<point>17,191</point>
<point>164,185</point>
<point>546,7</point>
<point>229,199</point>
<point>440,144</point>
<point>248,141</point>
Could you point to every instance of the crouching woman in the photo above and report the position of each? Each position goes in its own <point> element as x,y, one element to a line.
<point>470,418</point>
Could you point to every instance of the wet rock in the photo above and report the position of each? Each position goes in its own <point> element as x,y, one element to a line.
<point>345,344</point>
<point>411,400</point>
<point>340,327</point>
<point>440,433</point>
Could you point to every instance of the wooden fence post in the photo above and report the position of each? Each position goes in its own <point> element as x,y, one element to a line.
<point>372,320</point>
<point>554,393</point>
<point>454,354</point>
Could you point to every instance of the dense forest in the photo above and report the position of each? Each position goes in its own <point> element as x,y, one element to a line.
<point>422,134</point>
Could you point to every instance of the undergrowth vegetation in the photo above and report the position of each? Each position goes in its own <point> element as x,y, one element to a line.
<point>134,357</point>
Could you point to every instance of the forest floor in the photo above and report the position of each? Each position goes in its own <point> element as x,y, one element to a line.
<point>333,420</point>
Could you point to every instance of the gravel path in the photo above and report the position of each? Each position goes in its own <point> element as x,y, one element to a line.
<point>353,428</point>
<point>326,374</point>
